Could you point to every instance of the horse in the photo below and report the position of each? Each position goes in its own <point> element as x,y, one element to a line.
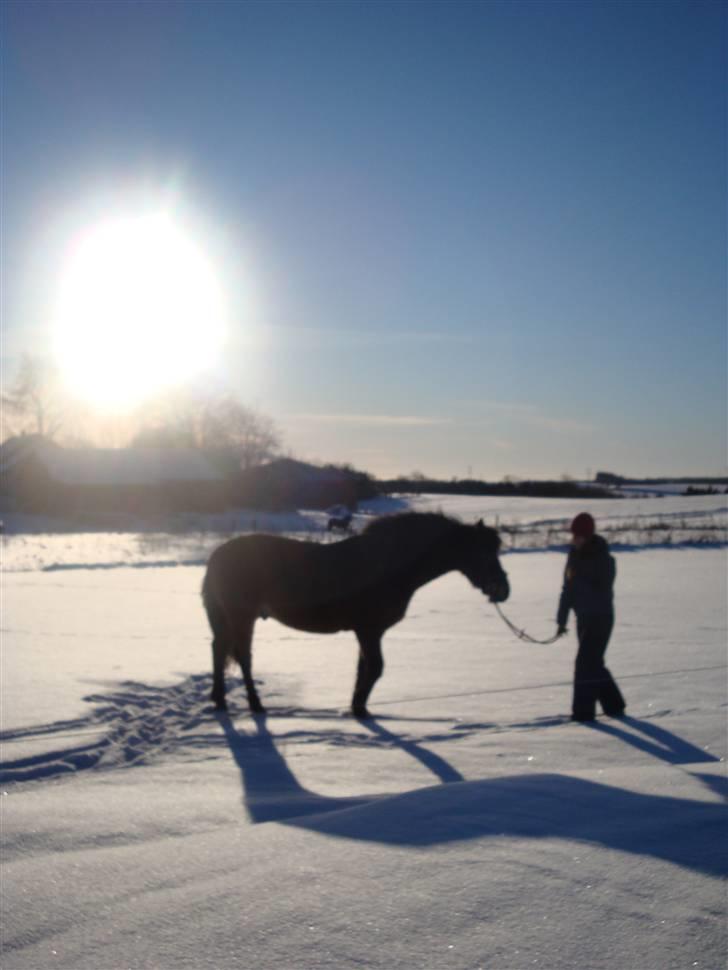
<point>339,521</point>
<point>363,583</point>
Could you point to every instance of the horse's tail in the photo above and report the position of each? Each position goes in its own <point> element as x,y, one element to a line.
<point>216,618</point>
<point>207,597</point>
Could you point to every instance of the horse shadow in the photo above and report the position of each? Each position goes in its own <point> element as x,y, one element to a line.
<point>677,830</point>
<point>134,724</point>
<point>271,792</point>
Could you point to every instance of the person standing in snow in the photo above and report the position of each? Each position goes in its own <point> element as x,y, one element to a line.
<point>588,590</point>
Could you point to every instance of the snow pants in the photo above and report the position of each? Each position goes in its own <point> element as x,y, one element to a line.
<point>592,680</point>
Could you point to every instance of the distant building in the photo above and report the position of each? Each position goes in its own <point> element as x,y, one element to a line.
<point>608,478</point>
<point>289,484</point>
<point>37,475</point>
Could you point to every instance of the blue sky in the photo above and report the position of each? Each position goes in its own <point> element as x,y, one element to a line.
<point>463,238</point>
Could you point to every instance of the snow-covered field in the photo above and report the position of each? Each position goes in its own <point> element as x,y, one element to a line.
<point>470,824</point>
<point>33,542</point>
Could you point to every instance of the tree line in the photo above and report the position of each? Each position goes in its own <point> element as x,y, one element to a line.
<point>36,403</point>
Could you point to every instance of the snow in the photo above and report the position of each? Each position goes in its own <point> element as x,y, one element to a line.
<point>470,824</point>
<point>38,542</point>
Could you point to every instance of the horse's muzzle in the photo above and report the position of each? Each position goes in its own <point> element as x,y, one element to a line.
<point>499,591</point>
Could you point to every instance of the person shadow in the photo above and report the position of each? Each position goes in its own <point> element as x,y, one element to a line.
<point>653,740</point>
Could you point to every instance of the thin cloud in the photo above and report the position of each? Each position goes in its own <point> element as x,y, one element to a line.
<point>501,444</point>
<point>532,415</point>
<point>330,336</point>
<point>560,425</point>
<point>372,420</point>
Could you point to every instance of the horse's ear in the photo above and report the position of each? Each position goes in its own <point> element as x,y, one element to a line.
<point>480,524</point>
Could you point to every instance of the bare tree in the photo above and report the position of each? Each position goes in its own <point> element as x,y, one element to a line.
<point>226,424</point>
<point>218,423</point>
<point>33,404</point>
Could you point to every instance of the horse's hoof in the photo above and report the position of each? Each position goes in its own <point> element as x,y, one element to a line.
<point>361,713</point>
<point>257,709</point>
<point>219,705</point>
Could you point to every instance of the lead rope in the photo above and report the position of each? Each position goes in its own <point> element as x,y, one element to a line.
<point>521,634</point>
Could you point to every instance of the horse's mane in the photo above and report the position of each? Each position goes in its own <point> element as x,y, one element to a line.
<point>411,523</point>
<point>408,537</point>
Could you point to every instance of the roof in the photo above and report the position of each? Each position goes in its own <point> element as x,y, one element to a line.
<point>291,469</point>
<point>110,466</point>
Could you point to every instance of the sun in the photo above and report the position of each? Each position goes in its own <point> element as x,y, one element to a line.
<point>139,310</point>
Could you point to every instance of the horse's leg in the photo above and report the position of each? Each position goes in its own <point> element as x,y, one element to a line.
<point>220,634</point>
<point>369,670</point>
<point>241,625</point>
<point>219,653</point>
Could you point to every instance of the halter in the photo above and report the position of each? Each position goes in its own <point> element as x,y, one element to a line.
<point>521,634</point>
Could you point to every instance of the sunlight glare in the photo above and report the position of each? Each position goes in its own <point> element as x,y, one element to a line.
<point>139,310</point>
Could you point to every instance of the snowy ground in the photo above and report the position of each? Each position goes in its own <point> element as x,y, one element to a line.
<point>469,825</point>
<point>34,542</point>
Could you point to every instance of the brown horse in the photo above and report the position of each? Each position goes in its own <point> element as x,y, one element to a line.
<point>363,583</point>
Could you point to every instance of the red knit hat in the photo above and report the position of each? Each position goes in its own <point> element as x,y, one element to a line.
<point>583,525</point>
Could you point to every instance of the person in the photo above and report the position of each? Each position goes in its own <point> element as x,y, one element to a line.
<point>588,590</point>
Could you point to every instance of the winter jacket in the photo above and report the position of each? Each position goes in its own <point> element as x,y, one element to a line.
<point>588,581</point>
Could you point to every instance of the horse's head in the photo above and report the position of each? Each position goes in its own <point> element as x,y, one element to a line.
<point>481,564</point>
